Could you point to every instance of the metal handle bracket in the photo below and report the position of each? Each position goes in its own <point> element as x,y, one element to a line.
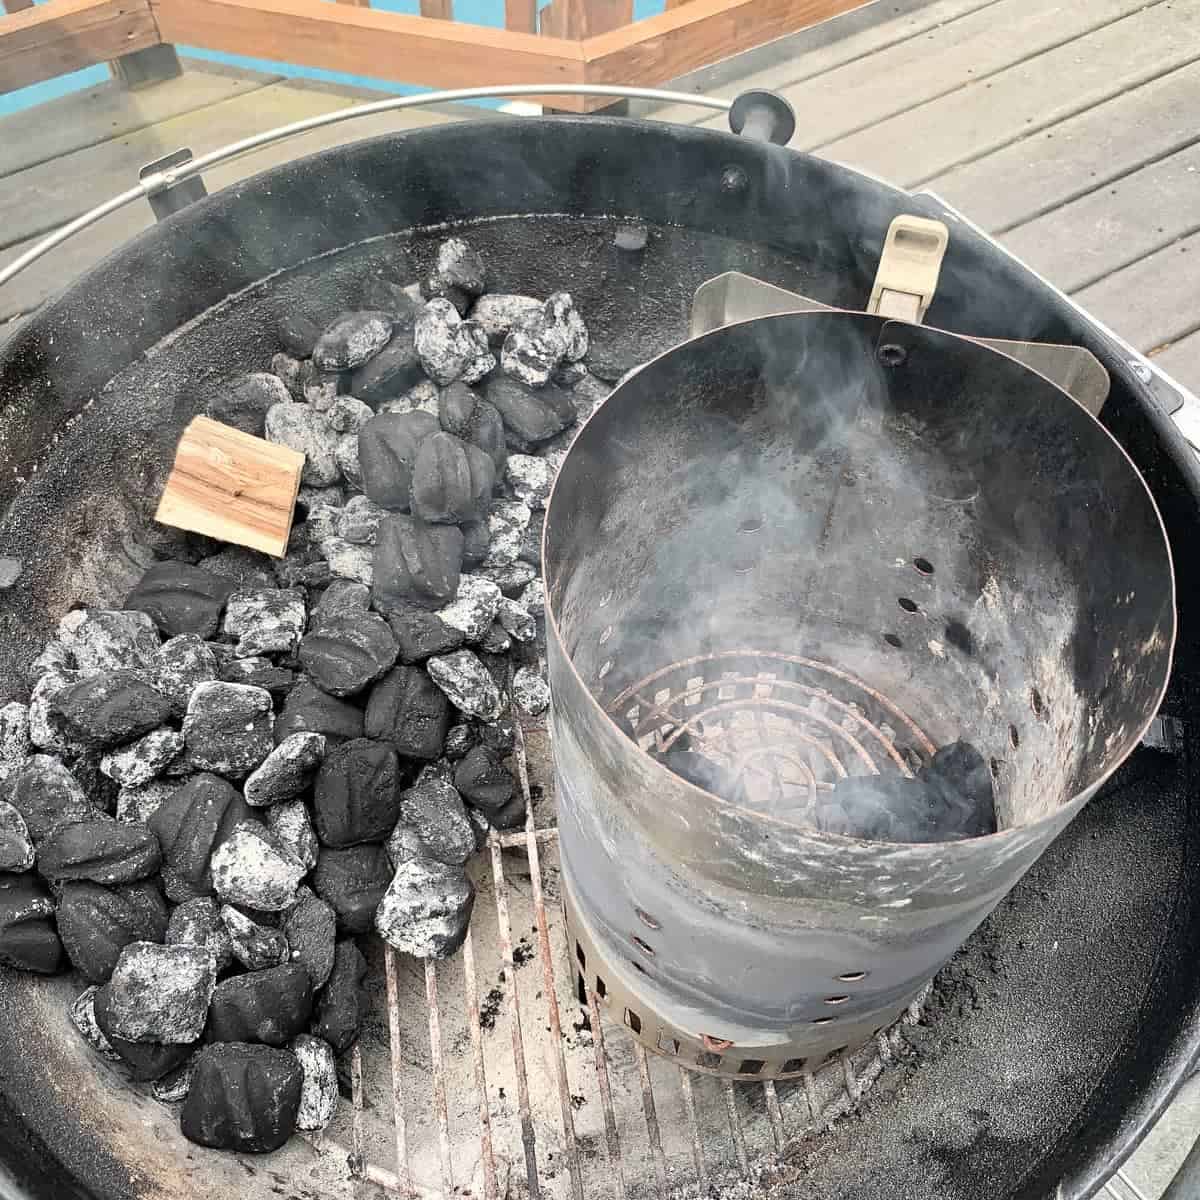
<point>909,266</point>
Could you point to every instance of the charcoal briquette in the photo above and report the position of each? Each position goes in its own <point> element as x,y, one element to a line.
<point>421,397</point>
<point>265,621</point>
<point>309,499</point>
<point>291,824</point>
<point>515,620</point>
<point>356,795</point>
<point>476,540</point>
<point>157,993</point>
<point>255,946</point>
<point>564,316</point>
<point>420,633</point>
<point>319,1094</point>
<point>352,882</point>
<point>532,416</point>
<point>427,908</point>
<point>82,1014</point>
<point>48,729</point>
<point>173,1087</point>
<point>287,771</point>
<point>15,742</point>
<point>243,1098</point>
<point>349,462</point>
<point>112,708</point>
<point>16,846</point>
<point>473,608</point>
<point>311,930</point>
<point>341,1003</point>
<point>498,312</point>
<point>253,869</point>
<point>568,374</point>
<point>530,479</point>
<point>139,804</point>
<point>415,563</point>
<point>341,596</point>
<point>303,429</point>
<point>54,659</point>
<point>189,826</point>
<point>481,825</point>
<point>320,388</point>
<point>108,639</point>
<point>535,345</point>
<point>242,401</point>
<point>507,522</point>
<point>297,333</point>
<point>531,541</point>
<point>181,664</point>
<point>198,923</point>
<point>145,1061</point>
<point>351,339</point>
<point>530,692</point>
<point>456,267</point>
<point>387,453</point>
<point>348,651</point>
<point>510,578</point>
<point>533,598</point>
<point>28,937</point>
<point>310,710</point>
<point>359,521</point>
<point>289,372</point>
<point>483,780</point>
<point>228,728</point>
<point>486,430</point>
<point>143,760</point>
<point>451,480</point>
<point>349,560</point>
<point>508,816</point>
<point>496,640</point>
<point>391,372</point>
<point>498,736</point>
<point>100,850</point>
<point>259,672</point>
<point>248,569</point>
<point>96,923</point>
<point>467,684</point>
<point>433,811</point>
<point>408,711</point>
<point>269,1006</point>
<point>386,295</point>
<point>459,739</point>
<point>449,347</point>
<point>180,598</point>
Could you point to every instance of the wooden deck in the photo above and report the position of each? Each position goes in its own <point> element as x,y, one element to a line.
<point>1068,129</point>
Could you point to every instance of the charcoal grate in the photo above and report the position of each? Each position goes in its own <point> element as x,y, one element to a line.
<point>431,1114</point>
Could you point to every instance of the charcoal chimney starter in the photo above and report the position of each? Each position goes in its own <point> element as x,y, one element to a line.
<point>817,546</point>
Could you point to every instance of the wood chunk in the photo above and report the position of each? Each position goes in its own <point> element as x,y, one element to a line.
<point>232,486</point>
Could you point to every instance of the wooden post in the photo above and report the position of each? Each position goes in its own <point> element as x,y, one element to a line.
<point>142,67</point>
<point>54,39</point>
<point>440,10</point>
<point>521,16</point>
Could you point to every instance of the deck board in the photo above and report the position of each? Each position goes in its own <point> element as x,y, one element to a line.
<point>1038,92</point>
<point>109,111</point>
<point>1045,170</point>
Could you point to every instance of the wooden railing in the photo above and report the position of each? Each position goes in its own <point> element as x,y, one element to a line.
<point>567,41</point>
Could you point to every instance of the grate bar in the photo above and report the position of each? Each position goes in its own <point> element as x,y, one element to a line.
<point>528,1137</point>
<point>611,1137</point>
<point>358,1158</point>
<point>735,1126</point>
<point>439,1075</point>
<point>392,965</point>
<point>853,1090</point>
<point>810,1094</point>
<point>543,928</point>
<point>519,838</point>
<point>689,1102</point>
<point>774,1114</point>
<point>660,1160</point>
<point>485,1115</point>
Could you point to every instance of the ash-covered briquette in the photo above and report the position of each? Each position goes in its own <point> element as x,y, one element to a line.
<point>426,909</point>
<point>287,771</point>
<point>158,993</point>
<point>198,923</point>
<point>254,945</point>
<point>287,742</point>
<point>82,1014</point>
<point>530,692</point>
<point>319,1093</point>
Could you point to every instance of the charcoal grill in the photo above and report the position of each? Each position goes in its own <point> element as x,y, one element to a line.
<point>1043,1049</point>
